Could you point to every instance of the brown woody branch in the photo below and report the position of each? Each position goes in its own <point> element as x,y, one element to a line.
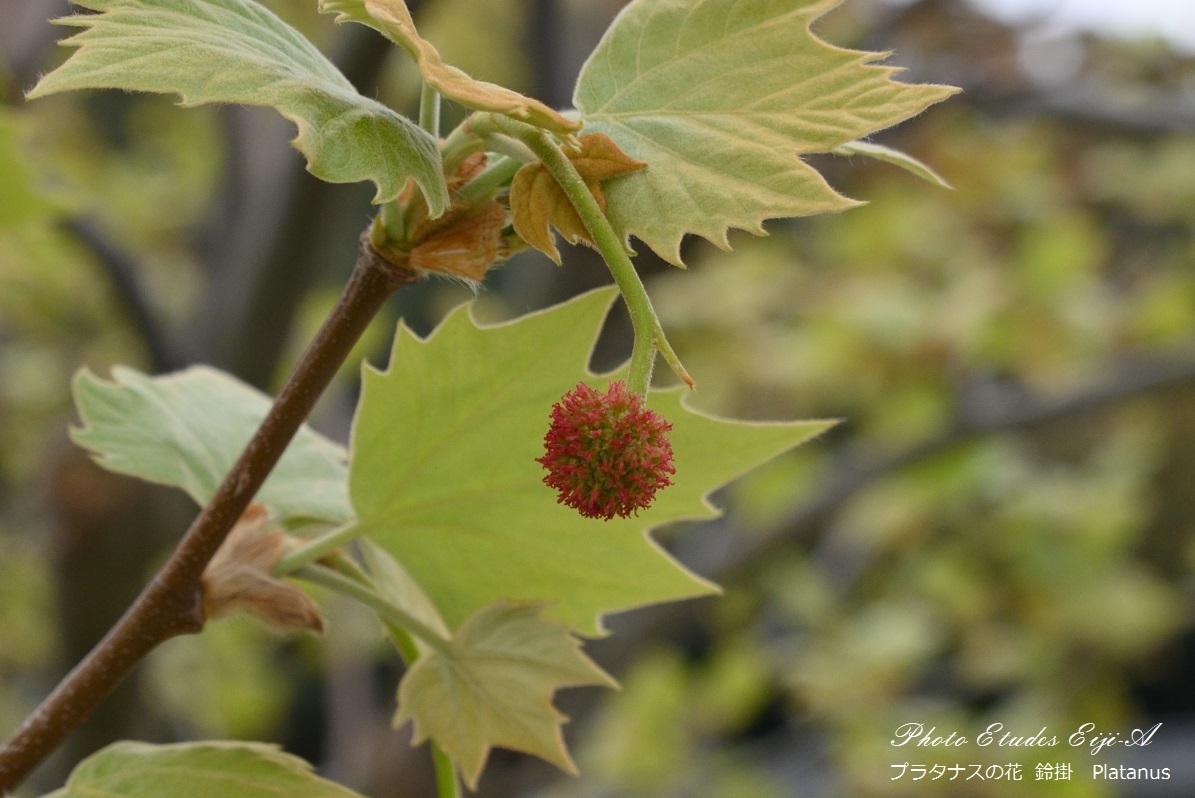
<point>172,602</point>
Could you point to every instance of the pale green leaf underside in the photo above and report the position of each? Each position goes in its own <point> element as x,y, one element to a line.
<point>187,429</point>
<point>443,471</point>
<point>719,97</point>
<point>197,770</point>
<point>236,51</point>
<point>493,686</point>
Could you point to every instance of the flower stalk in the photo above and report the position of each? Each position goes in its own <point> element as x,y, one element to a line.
<point>649,334</point>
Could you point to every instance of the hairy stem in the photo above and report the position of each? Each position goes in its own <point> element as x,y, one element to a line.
<point>485,185</point>
<point>649,335</point>
<point>429,110</point>
<point>172,603</point>
<point>460,144</point>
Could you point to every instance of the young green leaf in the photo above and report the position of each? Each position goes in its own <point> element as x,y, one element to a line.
<point>236,51</point>
<point>719,97</point>
<point>443,472</point>
<point>197,770</point>
<point>187,429</point>
<point>493,686</point>
<point>393,20</point>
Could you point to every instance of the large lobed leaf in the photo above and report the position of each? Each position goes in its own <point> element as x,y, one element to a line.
<point>187,429</point>
<point>719,97</point>
<point>236,51</point>
<point>196,770</point>
<point>443,472</point>
<point>493,686</point>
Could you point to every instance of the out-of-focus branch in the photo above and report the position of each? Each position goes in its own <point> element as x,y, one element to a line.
<point>123,274</point>
<point>997,410</point>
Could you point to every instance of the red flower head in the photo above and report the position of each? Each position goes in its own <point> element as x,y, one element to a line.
<point>606,454</point>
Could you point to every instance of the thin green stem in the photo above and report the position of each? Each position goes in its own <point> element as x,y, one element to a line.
<point>429,110</point>
<point>511,148</point>
<point>447,784</point>
<point>388,612</point>
<point>403,641</point>
<point>346,565</point>
<point>316,548</point>
<point>345,576</point>
<point>649,334</point>
<point>342,562</point>
<point>460,144</point>
<point>495,176</point>
<point>393,225</point>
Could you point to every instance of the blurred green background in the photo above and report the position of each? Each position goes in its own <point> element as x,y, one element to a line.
<point>1000,529</point>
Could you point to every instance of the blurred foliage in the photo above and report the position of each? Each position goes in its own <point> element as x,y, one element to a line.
<point>1036,577</point>
<point>1019,578</point>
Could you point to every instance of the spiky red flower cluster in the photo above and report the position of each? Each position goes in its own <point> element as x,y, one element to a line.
<point>606,454</point>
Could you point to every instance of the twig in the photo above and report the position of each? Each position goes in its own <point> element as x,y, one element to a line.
<point>172,603</point>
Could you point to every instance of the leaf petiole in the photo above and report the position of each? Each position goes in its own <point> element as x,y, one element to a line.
<point>496,175</point>
<point>429,110</point>
<point>316,548</point>
<point>649,334</point>
<point>388,612</point>
<point>447,784</point>
<point>511,148</point>
<point>460,144</point>
<point>345,576</point>
<point>393,225</point>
